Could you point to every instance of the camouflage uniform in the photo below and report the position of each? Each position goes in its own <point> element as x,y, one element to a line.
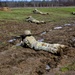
<point>32,20</point>
<point>31,42</point>
<point>39,12</point>
<point>73,13</point>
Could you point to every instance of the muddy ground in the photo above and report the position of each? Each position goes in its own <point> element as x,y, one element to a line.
<point>16,60</point>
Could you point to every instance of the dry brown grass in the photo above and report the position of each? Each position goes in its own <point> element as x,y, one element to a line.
<point>5,9</point>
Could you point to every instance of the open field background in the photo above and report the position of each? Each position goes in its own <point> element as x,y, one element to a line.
<point>56,14</point>
<point>16,60</point>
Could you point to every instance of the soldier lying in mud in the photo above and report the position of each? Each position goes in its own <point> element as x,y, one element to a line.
<point>35,11</point>
<point>28,40</point>
<point>32,20</point>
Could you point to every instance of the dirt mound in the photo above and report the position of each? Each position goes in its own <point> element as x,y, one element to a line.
<point>5,9</point>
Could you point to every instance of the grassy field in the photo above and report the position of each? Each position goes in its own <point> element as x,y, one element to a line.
<point>56,14</point>
<point>16,60</point>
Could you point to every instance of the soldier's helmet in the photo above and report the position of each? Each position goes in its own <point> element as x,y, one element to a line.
<point>29,17</point>
<point>27,32</point>
<point>35,9</point>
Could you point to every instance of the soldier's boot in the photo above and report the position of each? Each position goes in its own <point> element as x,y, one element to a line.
<point>47,13</point>
<point>37,23</point>
<point>61,50</point>
<point>44,22</point>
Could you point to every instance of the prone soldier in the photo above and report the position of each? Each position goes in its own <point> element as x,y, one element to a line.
<point>30,41</point>
<point>35,11</point>
<point>32,20</point>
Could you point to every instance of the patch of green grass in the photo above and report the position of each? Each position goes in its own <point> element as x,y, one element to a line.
<point>72,66</point>
<point>69,67</point>
<point>64,69</point>
<point>56,14</point>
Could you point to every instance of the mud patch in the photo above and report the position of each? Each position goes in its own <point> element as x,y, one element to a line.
<point>16,60</point>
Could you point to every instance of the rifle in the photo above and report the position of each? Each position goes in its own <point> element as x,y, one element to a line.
<point>21,37</point>
<point>14,38</point>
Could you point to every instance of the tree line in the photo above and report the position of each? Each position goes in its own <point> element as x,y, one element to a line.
<point>36,3</point>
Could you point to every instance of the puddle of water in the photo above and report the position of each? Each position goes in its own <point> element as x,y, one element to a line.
<point>19,44</point>
<point>11,40</point>
<point>67,24</point>
<point>73,39</point>
<point>58,27</point>
<point>40,40</point>
<point>43,33</point>
<point>47,67</point>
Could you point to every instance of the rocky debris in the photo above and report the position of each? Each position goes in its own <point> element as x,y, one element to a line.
<point>67,24</point>
<point>58,27</point>
<point>12,40</point>
<point>41,40</point>
<point>47,67</point>
<point>43,33</point>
